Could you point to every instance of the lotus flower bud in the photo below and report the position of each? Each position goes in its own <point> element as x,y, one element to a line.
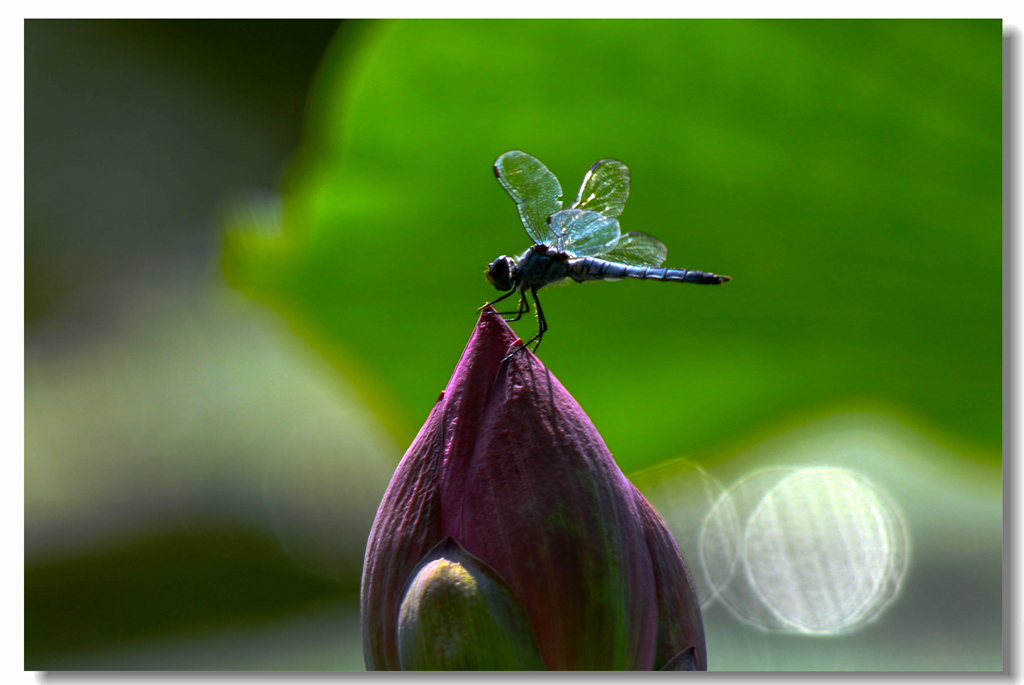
<point>509,538</point>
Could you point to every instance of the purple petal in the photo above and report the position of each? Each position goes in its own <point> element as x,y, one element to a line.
<point>533,491</point>
<point>407,525</point>
<point>408,522</point>
<point>510,466</point>
<point>680,626</point>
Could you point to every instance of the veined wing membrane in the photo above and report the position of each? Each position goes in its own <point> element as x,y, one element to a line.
<point>535,190</point>
<point>637,249</point>
<point>583,233</point>
<point>605,188</point>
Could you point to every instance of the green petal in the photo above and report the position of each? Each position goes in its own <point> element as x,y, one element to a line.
<point>459,614</point>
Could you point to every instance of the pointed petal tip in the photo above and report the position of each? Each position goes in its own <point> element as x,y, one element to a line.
<point>493,323</point>
<point>493,332</point>
<point>685,660</point>
<point>484,351</point>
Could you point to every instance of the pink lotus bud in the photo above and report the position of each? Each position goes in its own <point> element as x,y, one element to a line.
<point>510,468</point>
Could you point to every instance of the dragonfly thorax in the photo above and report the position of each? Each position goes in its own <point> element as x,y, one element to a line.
<point>503,273</point>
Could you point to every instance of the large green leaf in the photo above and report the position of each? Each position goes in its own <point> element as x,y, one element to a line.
<point>846,174</point>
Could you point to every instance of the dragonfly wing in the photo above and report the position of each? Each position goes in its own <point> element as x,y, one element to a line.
<point>605,188</point>
<point>582,232</point>
<point>535,190</point>
<point>637,249</point>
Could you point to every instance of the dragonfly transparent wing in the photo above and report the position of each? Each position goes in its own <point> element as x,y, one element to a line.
<point>637,249</point>
<point>535,190</point>
<point>582,232</point>
<point>605,188</point>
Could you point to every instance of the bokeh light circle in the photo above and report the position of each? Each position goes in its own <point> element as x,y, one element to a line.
<point>818,550</point>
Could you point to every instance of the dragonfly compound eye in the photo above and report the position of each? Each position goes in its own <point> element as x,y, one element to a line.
<point>499,273</point>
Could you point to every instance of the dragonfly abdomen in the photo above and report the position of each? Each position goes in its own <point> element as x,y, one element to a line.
<point>593,269</point>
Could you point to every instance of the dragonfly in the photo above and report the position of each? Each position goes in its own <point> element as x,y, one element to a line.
<point>582,243</point>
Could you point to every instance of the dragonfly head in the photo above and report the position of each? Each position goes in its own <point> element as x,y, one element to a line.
<point>503,273</point>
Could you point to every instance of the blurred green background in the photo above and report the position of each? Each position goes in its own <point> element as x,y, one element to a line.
<point>245,287</point>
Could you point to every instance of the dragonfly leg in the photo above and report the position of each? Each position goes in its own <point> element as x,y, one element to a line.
<point>488,304</point>
<point>518,313</point>
<point>542,323</point>
<point>524,308</point>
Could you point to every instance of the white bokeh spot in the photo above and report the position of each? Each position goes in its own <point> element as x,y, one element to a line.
<point>811,550</point>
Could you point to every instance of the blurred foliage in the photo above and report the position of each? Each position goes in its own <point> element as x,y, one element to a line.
<point>140,127</point>
<point>846,174</point>
<point>146,442</point>
<point>172,590</point>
